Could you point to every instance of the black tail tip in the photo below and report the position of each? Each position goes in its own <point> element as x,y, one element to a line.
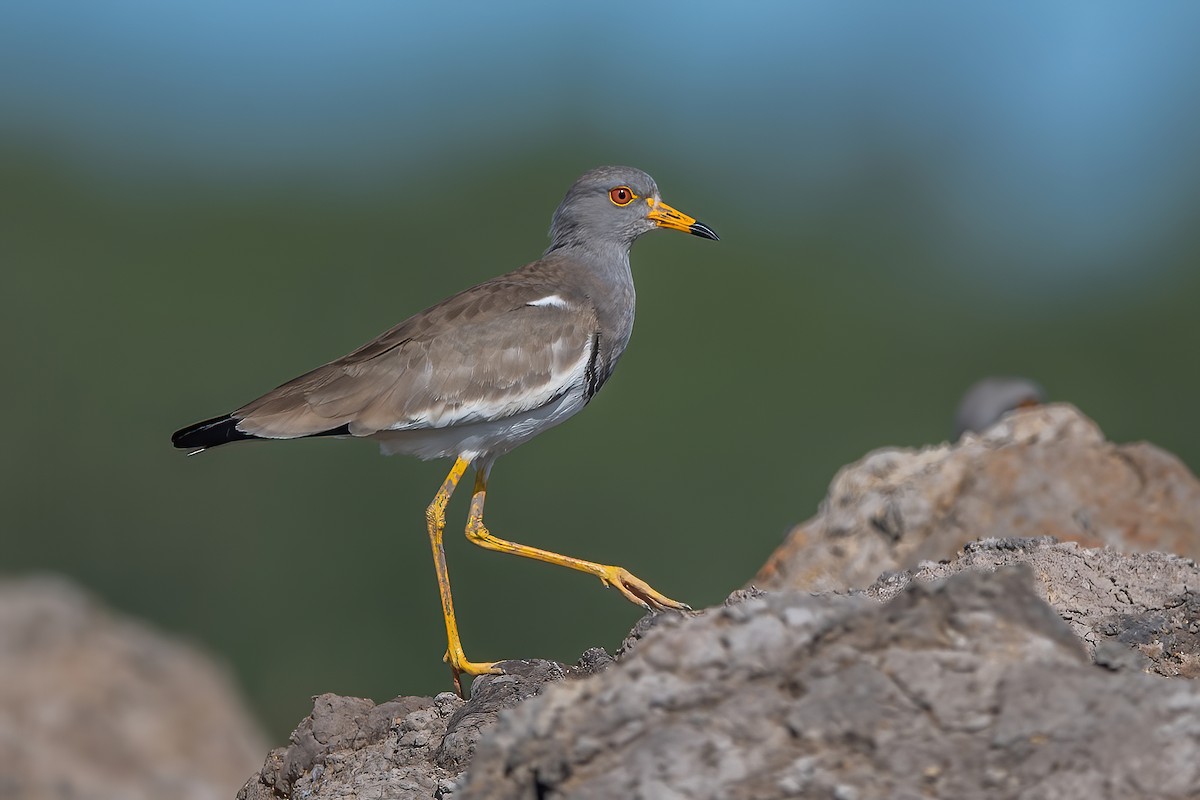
<point>209,433</point>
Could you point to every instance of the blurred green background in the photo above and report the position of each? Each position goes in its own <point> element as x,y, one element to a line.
<point>198,202</point>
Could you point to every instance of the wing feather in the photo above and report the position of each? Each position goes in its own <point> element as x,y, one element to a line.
<point>482,355</point>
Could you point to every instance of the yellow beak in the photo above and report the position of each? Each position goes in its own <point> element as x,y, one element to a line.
<point>664,216</point>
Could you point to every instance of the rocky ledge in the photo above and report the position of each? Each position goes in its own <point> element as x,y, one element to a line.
<point>926,636</point>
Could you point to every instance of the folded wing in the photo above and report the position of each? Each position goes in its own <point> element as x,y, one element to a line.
<point>480,356</point>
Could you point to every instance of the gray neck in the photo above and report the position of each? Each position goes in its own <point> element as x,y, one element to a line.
<point>602,271</point>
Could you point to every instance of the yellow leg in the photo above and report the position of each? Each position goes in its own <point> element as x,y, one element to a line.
<point>633,588</point>
<point>435,519</point>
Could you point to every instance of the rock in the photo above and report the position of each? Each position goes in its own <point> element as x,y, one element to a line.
<point>354,748</point>
<point>969,687</point>
<point>1042,471</point>
<point>410,747</point>
<point>954,680</point>
<point>1130,611</point>
<point>93,705</point>
<point>1022,667</point>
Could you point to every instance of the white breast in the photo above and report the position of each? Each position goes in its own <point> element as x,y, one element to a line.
<point>491,438</point>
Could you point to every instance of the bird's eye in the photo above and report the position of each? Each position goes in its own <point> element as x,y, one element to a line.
<point>621,196</point>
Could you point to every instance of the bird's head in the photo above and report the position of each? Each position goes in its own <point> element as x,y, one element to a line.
<point>614,206</point>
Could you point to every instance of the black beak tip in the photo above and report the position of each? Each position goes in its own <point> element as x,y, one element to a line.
<point>700,229</point>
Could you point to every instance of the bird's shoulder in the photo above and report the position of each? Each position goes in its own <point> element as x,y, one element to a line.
<point>536,295</point>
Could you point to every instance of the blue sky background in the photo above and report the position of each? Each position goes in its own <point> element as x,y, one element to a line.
<point>1065,130</point>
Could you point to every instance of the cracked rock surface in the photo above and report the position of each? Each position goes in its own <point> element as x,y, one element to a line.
<point>1130,611</point>
<point>955,681</point>
<point>925,636</point>
<point>409,747</point>
<point>971,687</point>
<point>1046,471</point>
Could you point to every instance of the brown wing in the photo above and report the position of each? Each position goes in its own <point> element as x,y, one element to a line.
<point>492,351</point>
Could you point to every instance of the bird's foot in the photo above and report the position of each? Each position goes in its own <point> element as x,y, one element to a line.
<point>459,665</point>
<point>638,592</point>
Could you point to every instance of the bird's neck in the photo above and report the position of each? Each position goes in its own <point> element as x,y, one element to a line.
<point>568,235</point>
<point>602,272</point>
<point>604,261</point>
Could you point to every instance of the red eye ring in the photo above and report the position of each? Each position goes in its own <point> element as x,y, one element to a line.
<point>621,196</point>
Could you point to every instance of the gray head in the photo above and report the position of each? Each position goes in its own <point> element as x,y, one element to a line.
<point>991,398</point>
<point>612,206</point>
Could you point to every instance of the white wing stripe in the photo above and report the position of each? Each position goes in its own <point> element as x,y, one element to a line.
<point>550,300</point>
<point>511,404</point>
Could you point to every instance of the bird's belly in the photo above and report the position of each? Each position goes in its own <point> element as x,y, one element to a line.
<point>491,438</point>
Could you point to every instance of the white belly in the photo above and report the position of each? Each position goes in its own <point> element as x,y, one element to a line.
<point>476,439</point>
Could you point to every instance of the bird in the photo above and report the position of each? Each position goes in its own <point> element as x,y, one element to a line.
<point>485,370</point>
<point>989,399</point>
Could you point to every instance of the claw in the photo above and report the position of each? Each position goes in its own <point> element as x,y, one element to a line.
<point>638,592</point>
<point>459,664</point>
